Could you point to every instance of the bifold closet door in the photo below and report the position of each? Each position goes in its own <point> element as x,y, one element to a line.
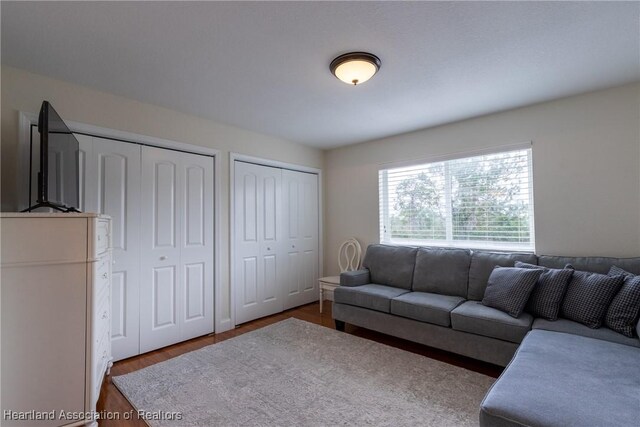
<point>300,220</point>
<point>110,171</point>
<point>257,251</point>
<point>176,284</point>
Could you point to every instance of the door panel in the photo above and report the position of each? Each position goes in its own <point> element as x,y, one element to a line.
<point>85,159</point>
<point>257,229</point>
<point>196,245</point>
<point>112,174</point>
<point>301,220</point>
<point>194,291</point>
<point>112,187</point>
<point>164,209</point>
<point>160,255</point>
<point>195,206</point>
<point>249,282</point>
<point>119,302</point>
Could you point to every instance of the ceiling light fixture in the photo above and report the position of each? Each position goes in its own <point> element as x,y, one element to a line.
<point>355,68</point>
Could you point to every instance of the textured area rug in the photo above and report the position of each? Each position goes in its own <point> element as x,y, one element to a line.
<point>294,373</point>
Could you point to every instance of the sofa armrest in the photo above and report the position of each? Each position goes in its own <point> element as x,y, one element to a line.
<point>355,278</point>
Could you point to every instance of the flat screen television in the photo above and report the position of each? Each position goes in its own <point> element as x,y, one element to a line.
<point>58,174</point>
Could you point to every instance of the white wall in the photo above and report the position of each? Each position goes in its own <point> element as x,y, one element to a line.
<point>586,169</point>
<point>23,91</point>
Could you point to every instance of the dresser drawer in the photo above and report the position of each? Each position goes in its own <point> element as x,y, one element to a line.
<point>102,277</point>
<point>101,319</point>
<point>103,236</point>
<point>100,360</point>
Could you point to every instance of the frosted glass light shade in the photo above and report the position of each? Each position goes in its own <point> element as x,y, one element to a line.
<point>356,67</point>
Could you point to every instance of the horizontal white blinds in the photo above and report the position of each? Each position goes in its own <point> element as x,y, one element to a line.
<point>483,201</point>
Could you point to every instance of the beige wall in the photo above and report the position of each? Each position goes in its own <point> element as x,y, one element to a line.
<point>22,91</point>
<point>586,169</point>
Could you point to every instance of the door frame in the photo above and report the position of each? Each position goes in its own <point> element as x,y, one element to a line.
<point>26,120</point>
<point>233,157</point>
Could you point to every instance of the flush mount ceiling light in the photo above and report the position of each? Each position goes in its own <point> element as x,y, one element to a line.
<point>355,68</point>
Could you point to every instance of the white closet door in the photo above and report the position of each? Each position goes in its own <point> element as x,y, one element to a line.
<point>85,149</point>
<point>196,248</point>
<point>300,205</point>
<point>176,292</point>
<point>162,191</point>
<point>257,258</point>
<point>112,174</point>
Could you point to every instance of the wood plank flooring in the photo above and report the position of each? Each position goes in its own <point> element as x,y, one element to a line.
<point>113,402</point>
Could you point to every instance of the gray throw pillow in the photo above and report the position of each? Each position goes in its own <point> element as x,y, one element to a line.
<point>588,297</point>
<point>546,297</point>
<point>508,289</point>
<point>624,311</point>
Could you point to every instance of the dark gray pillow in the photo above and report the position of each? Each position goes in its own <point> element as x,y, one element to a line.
<point>508,289</point>
<point>624,310</point>
<point>588,297</point>
<point>546,297</point>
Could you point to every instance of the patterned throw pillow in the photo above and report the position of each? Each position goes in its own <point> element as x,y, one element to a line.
<point>588,297</point>
<point>616,271</point>
<point>546,296</point>
<point>624,311</point>
<point>508,289</point>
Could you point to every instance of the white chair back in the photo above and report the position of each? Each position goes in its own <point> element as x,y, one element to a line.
<point>349,255</point>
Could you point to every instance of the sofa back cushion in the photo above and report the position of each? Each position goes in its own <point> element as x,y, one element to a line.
<point>391,265</point>
<point>442,271</point>
<point>483,263</point>
<point>600,265</point>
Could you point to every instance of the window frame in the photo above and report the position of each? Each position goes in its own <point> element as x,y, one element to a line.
<point>449,242</point>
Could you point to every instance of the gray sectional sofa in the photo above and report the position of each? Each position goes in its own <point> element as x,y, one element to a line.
<point>559,373</point>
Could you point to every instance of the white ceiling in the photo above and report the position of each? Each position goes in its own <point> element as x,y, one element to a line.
<point>264,66</point>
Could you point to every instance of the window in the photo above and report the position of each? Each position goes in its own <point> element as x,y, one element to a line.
<point>483,202</point>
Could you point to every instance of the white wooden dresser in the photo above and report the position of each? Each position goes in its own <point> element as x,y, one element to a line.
<point>55,288</point>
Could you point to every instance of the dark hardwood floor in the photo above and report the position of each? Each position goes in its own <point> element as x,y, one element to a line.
<point>112,401</point>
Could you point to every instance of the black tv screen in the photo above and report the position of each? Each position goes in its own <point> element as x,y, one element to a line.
<point>58,173</point>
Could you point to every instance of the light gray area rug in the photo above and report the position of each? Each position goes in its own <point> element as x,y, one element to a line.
<point>294,373</point>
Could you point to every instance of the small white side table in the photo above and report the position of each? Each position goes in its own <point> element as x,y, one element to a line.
<point>328,284</point>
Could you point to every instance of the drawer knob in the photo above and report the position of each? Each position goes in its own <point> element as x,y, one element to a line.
<point>105,275</point>
<point>105,315</point>
<point>163,258</point>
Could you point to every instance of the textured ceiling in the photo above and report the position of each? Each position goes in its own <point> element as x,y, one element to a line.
<point>264,66</point>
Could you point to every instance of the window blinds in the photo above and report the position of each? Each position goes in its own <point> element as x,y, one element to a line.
<point>483,202</point>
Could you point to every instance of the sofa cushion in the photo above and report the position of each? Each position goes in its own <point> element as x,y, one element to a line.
<point>546,297</point>
<point>508,289</point>
<point>391,265</point>
<point>473,317</point>
<point>558,379</point>
<point>571,327</point>
<point>442,271</point>
<point>371,296</point>
<point>426,307</point>
<point>596,264</point>
<point>588,297</point>
<point>623,312</point>
<point>483,263</point>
